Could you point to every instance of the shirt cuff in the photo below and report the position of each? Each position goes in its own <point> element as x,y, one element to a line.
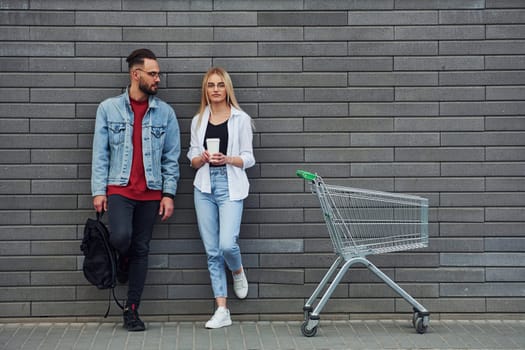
<point>169,195</point>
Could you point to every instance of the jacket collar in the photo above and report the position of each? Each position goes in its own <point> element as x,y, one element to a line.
<point>152,100</point>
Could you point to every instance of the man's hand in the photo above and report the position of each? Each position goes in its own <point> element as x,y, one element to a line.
<point>100,203</point>
<point>166,208</point>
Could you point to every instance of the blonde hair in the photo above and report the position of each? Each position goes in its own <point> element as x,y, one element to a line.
<point>230,95</point>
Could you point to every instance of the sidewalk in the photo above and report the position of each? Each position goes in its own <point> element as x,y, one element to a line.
<point>354,334</point>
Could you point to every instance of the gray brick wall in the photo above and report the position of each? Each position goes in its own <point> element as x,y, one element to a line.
<point>423,97</point>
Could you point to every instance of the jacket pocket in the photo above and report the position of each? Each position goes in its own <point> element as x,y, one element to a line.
<point>157,136</point>
<point>116,132</point>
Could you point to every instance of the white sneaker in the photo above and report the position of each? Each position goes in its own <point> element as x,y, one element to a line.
<point>240,285</point>
<point>221,318</point>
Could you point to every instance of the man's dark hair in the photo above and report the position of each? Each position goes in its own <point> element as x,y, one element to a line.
<point>138,56</point>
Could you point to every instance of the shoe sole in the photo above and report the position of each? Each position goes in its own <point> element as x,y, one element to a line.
<point>220,326</point>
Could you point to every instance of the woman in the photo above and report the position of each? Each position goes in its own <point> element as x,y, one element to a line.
<point>221,184</point>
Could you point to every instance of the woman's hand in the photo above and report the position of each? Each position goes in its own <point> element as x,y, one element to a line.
<point>218,159</point>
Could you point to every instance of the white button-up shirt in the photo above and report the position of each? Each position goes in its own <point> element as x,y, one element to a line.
<point>240,137</point>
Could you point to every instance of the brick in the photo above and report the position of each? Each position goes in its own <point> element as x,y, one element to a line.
<point>37,18</point>
<point>441,184</point>
<point>439,94</point>
<point>349,33</point>
<point>481,47</point>
<point>294,291</point>
<point>482,259</point>
<point>394,139</point>
<point>438,4</point>
<point>504,244</point>
<point>303,109</point>
<point>14,33</point>
<point>21,232</point>
<point>258,34</point>
<point>302,18</point>
<point>273,215</point>
<point>355,274</point>
<point>392,78</point>
<point>14,95</point>
<point>15,309</point>
<point>269,94</point>
<point>37,80</point>
<point>392,17</point>
<point>38,202</point>
<point>76,34</point>
<point>288,170</point>
<point>443,304</point>
<point>348,155</point>
<point>37,110</point>
<point>259,64</point>
<point>302,79</point>
<point>350,94</point>
<point>481,199</point>
<point>442,275</point>
<point>36,171</point>
<point>505,274</point>
<point>37,263</point>
<point>505,214</point>
<point>505,153</point>
<point>505,93</point>
<point>394,169</point>
<point>278,125</point>
<point>481,78</point>
<point>14,156</point>
<point>359,305</point>
<point>17,64</point>
<point>439,154</point>
<point>504,123</point>
<point>305,140</point>
<point>461,215</point>
<point>69,5</point>
<point>440,124</point>
<point>482,169</point>
<point>505,32</point>
<point>14,278</point>
<point>57,278</point>
<point>481,17</point>
<point>481,108</point>
<point>36,49</point>
<point>483,138</point>
<point>15,186</point>
<point>439,63</point>
<point>347,64</point>
<point>190,292</point>
<point>384,291</point>
<point>14,248</point>
<point>347,124</point>
<point>118,49</point>
<point>109,18</point>
<point>15,4</point>
<point>45,126</point>
<point>505,305</point>
<point>72,94</point>
<point>215,18</point>
<point>168,5</point>
<point>348,5</point>
<point>75,64</point>
<point>36,293</point>
<point>510,184</point>
<point>440,32</point>
<point>254,5</point>
<point>508,289</point>
<point>505,62</point>
<point>418,109</point>
<point>384,48</point>
<point>212,49</point>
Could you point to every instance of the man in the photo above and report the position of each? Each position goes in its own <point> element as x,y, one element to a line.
<point>135,169</point>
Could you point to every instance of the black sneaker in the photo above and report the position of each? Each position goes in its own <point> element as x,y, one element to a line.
<point>122,269</point>
<point>132,321</point>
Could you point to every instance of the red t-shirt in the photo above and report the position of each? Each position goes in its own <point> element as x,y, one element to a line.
<point>136,188</point>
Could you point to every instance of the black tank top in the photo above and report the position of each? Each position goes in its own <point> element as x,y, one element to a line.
<point>217,132</point>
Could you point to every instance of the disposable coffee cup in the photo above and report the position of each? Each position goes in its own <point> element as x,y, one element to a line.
<point>213,145</point>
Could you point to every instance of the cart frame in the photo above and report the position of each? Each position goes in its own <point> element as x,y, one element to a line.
<point>355,230</point>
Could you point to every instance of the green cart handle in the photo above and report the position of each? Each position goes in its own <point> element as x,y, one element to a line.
<point>306,175</point>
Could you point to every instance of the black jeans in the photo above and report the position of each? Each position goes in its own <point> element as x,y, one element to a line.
<point>131,225</point>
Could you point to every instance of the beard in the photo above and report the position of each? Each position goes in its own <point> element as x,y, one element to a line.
<point>147,89</point>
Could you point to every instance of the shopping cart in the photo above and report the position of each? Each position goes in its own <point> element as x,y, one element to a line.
<point>363,222</point>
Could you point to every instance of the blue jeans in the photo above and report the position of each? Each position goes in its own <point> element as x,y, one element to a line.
<point>219,221</point>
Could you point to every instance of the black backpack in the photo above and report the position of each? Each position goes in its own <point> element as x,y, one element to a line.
<point>100,258</point>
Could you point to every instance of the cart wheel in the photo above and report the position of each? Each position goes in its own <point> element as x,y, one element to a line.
<point>420,327</point>
<point>306,332</point>
<point>415,315</point>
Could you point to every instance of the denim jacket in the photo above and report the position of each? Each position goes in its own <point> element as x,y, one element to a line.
<point>113,148</point>
<point>240,137</point>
